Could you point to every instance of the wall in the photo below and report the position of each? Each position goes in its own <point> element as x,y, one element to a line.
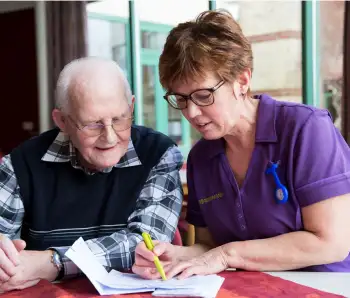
<point>276,46</point>
<point>7,6</point>
<point>331,33</point>
<point>331,41</point>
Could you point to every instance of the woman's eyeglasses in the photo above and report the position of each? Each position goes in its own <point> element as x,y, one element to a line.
<point>201,97</point>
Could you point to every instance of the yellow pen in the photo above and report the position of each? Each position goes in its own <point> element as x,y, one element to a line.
<point>148,240</point>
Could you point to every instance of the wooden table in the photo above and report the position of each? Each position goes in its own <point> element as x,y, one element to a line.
<point>237,285</point>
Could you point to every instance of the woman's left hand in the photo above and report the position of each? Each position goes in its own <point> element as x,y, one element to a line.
<point>211,262</point>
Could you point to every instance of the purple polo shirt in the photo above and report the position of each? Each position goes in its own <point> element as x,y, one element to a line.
<point>314,165</point>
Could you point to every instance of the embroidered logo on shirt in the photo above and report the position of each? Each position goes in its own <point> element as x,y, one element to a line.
<point>213,197</point>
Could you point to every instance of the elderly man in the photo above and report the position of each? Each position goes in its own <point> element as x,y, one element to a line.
<point>97,177</point>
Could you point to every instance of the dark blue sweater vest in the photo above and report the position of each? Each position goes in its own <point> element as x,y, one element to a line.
<point>56,196</point>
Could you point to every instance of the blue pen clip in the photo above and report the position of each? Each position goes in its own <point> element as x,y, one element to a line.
<point>281,192</point>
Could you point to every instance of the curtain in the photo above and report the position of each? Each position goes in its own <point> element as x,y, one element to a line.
<point>66,37</point>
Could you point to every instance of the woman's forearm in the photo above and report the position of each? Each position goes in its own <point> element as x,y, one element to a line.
<point>285,252</point>
<point>190,252</point>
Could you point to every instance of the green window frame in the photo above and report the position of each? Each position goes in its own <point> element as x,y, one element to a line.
<point>150,57</point>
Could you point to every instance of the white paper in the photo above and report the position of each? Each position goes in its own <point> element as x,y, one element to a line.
<point>114,282</point>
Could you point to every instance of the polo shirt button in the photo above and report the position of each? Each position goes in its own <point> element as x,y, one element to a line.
<point>243,227</point>
<point>238,205</point>
<point>240,216</point>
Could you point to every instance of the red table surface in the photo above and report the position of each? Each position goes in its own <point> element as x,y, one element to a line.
<point>237,284</point>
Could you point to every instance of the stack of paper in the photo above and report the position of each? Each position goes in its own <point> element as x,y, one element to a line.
<point>114,282</point>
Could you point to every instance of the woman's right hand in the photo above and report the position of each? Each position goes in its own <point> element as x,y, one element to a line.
<point>144,258</point>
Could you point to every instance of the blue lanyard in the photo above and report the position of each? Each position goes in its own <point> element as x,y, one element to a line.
<point>281,192</point>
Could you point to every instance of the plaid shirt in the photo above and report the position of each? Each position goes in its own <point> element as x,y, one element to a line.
<point>157,208</point>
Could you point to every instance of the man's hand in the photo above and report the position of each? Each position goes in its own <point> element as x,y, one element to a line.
<point>33,266</point>
<point>9,256</point>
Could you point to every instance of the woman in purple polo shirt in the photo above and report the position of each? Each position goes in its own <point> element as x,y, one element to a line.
<point>269,182</point>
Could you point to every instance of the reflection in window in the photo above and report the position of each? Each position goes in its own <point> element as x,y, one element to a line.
<point>107,30</point>
<point>331,58</point>
<point>276,45</point>
<point>153,36</point>
<point>195,136</point>
<point>107,39</point>
<point>118,44</point>
<point>148,92</point>
<point>119,55</point>
<point>153,40</point>
<point>174,117</point>
<point>230,5</point>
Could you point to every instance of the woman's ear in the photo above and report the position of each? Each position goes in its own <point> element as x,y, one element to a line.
<point>244,80</point>
<point>59,119</point>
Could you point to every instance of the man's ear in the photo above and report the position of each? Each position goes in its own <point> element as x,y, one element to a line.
<point>132,106</point>
<point>59,119</point>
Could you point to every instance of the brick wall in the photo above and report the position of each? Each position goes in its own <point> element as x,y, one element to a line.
<point>274,28</point>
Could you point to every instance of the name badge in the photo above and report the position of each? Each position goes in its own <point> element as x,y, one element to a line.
<point>211,198</point>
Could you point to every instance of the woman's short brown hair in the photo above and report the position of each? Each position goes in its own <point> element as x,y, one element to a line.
<point>214,42</point>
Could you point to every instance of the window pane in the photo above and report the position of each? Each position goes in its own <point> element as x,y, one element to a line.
<point>107,31</point>
<point>108,37</point>
<point>175,130</point>
<point>117,8</point>
<point>276,45</point>
<point>118,44</point>
<point>155,26</point>
<point>148,91</point>
<point>170,12</point>
<point>230,5</point>
<point>153,40</point>
<point>331,56</point>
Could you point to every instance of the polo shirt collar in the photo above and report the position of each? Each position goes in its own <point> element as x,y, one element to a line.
<point>266,121</point>
<point>265,126</point>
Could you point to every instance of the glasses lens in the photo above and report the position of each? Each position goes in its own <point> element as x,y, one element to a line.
<point>202,97</point>
<point>122,124</point>
<point>93,129</point>
<point>177,101</point>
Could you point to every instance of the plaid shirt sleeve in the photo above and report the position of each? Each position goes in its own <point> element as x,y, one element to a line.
<point>11,205</point>
<point>157,212</point>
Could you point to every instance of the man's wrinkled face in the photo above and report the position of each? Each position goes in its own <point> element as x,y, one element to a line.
<point>99,125</point>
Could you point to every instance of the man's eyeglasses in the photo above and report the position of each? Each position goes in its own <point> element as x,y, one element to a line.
<point>201,97</point>
<point>95,129</point>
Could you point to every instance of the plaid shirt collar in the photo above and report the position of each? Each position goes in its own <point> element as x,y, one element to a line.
<point>62,150</point>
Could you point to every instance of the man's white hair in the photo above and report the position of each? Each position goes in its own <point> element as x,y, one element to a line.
<point>93,68</point>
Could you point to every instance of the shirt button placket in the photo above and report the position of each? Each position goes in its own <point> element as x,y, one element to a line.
<point>240,213</point>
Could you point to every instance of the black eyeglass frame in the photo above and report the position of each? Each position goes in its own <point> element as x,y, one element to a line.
<point>189,96</point>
